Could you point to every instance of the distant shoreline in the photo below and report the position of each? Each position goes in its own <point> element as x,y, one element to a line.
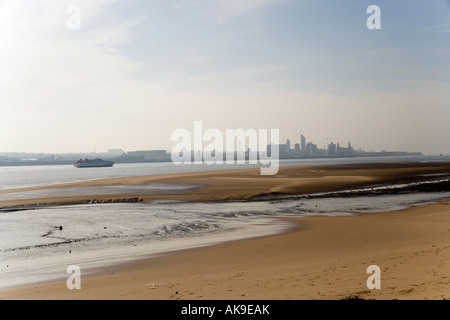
<point>43,162</point>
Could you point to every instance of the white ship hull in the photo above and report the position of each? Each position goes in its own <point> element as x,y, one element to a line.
<point>92,163</point>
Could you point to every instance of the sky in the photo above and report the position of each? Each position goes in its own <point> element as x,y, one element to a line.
<point>84,75</point>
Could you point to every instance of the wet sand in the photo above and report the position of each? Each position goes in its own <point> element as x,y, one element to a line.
<point>323,258</point>
<point>242,184</point>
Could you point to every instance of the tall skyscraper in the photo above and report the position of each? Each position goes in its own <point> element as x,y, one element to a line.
<point>303,142</point>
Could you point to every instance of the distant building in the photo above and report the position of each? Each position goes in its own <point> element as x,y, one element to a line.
<point>345,152</point>
<point>311,150</point>
<point>283,150</point>
<point>115,152</point>
<point>303,143</point>
<point>331,152</point>
<point>150,155</point>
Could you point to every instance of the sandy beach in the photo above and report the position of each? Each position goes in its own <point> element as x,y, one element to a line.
<point>323,258</point>
<point>244,183</point>
<point>320,258</point>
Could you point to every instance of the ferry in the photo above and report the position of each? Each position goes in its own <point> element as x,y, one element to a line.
<point>92,163</point>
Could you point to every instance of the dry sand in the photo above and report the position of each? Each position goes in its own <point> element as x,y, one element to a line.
<point>322,258</point>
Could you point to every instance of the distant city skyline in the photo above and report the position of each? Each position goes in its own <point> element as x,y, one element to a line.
<point>301,144</point>
<point>126,74</point>
<point>287,146</point>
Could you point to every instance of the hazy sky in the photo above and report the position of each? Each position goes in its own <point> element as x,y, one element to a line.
<point>137,70</point>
